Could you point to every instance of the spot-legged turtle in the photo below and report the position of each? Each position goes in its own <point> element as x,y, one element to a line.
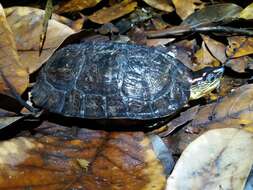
<point>106,80</point>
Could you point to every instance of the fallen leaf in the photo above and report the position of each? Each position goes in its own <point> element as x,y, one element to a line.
<point>247,13</point>
<point>239,46</point>
<point>213,15</point>
<point>76,25</point>
<point>240,64</point>
<point>5,113</point>
<point>217,49</point>
<point>203,58</point>
<point>106,15</point>
<point>162,5</point>
<point>184,117</point>
<point>26,24</point>
<point>59,157</point>
<point>187,7</point>
<point>219,159</point>
<point>6,121</point>
<point>233,110</point>
<point>74,5</point>
<point>184,51</point>
<point>13,72</point>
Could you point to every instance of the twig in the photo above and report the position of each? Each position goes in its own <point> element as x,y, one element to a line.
<point>183,30</point>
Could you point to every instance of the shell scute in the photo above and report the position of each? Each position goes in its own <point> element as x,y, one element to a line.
<point>112,80</point>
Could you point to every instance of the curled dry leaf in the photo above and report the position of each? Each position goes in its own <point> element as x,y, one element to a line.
<point>187,7</point>
<point>11,69</point>
<point>26,24</point>
<point>162,5</point>
<point>219,159</point>
<point>75,5</point>
<point>62,158</point>
<point>247,13</point>
<point>106,15</point>
<point>239,46</point>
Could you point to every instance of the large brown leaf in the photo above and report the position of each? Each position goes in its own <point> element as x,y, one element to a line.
<point>12,72</point>
<point>232,111</point>
<point>26,24</point>
<point>63,158</point>
<point>213,15</point>
<point>219,159</point>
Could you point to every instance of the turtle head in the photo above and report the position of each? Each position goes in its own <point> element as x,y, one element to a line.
<point>205,80</point>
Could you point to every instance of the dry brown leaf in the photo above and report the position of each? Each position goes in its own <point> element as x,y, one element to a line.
<point>106,15</point>
<point>162,5</point>
<point>203,58</point>
<point>240,64</point>
<point>219,159</point>
<point>233,110</point>
<point>239,46</point>
<point>12,71</point>
<point>75,5</point>
<point>76,25</point>
<point>63,158</point>
<point>187,7</point>
<point>26,24</point>
<point>184,51</point>
<point>216,48</point>
<point>247,13</point>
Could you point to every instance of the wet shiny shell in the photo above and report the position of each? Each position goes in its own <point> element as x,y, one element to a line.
<point>112,80</point>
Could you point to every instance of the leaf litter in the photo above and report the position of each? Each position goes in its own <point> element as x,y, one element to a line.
<point>206,140</point>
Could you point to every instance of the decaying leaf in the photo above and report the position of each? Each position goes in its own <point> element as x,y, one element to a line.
<point>240,64</point>
<point>26,24</point>
<point>247,13</point>
<point>160,4</point>
<point>12,71</point>
<point>106,15</point>
<point>213,14</point>
<point>75,5</point>
<point>63,158</point>
<point>6,121</point>
<point>239,46</point>
<point>217,49</point>
<point>184,51</point>
<point>203,58</point>
<point>219,159</point>
<point>233,110</point>
<point>187,7</point>
<point>7,118</point>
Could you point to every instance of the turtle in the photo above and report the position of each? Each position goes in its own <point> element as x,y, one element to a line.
<point>119,81</point>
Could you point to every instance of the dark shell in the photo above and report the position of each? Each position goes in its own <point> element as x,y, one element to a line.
<point>112,80</point>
